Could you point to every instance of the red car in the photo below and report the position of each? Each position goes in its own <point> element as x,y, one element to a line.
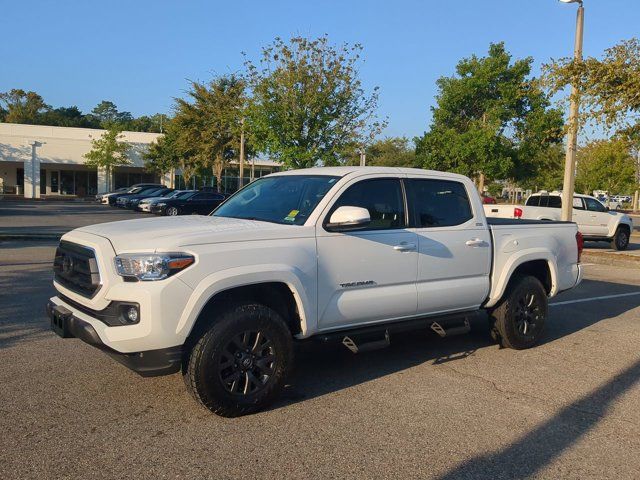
<point>487,200</point>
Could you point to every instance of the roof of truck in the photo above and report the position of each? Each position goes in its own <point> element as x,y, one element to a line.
<point>343,171</point>
<point>559,194</point>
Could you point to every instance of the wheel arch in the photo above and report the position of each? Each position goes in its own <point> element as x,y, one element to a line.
<point>537,264</point>
<point>280,290</point>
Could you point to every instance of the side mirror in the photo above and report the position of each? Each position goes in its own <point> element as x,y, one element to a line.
<point>348,218</point>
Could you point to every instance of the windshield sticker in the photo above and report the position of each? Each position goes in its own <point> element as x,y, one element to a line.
<point>292,216</point>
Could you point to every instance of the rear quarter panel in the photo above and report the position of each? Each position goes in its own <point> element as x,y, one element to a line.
<point>515,245</point>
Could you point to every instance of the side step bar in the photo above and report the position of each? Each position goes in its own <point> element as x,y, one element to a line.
<point>366,346</point>
<point>453,330</point>
<point>365,339</point>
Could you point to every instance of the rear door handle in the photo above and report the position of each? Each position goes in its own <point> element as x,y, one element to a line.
<point>405,247</point>
<point>475,242</point>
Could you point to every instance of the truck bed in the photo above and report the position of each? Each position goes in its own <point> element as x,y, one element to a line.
<point>517,221</point>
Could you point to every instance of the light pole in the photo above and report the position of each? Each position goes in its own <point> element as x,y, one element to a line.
<point>241,179</point>
<point>572,137</point>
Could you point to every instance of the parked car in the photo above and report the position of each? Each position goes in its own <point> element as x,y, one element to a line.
<point>344,254</point>
<point>488,200</point>
<point>201,203</point>
<point>131,201</point>
<point>595,221</point>
<point>104,197</point>
<point>145,204</point>
<point>113,199</point>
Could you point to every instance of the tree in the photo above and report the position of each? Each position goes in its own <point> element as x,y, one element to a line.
<point>309,106</point>
<point>388,152</point>
<point>106,113</point>
<point>209,124</point>
<point>606,165</point>
<point>164,154</point>
<point>22,107</point>
<point>67,117</point>
<point>491,120</point>
<point>609,88</point>
<point>108,151</point>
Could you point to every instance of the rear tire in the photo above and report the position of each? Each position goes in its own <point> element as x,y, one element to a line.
<point>518,320</point>
<point>620,240</point>
<point>240,363</point>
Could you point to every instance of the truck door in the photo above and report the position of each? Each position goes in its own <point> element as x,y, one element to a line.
<point>598,218</point>
<point>367,275</point>
<point>454,246</point>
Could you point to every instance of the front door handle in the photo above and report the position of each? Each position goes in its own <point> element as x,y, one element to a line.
<point>405,247</point>
<point>475,242</point>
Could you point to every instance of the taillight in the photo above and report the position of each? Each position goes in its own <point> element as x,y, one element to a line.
<point>580,244</point>
<point>517,212</point>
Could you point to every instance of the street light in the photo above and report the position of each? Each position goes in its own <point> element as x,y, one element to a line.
<point>572,134</point>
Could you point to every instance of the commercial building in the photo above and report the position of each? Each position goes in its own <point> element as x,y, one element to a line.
<point>40,161</point>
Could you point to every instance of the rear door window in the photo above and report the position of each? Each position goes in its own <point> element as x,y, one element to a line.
<point>439,203</point>
<point>554,202</point>
<point>577,203</point>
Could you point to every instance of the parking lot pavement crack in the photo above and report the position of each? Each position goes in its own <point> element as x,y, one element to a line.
<point>543,401</point>
<point>493,384</point>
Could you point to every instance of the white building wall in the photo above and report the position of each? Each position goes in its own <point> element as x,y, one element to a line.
<point>62,146</point>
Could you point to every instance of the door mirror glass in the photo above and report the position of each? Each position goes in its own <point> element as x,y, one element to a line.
<point>348,218</point>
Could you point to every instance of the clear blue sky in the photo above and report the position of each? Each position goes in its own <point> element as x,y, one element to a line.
<point>140,53</point>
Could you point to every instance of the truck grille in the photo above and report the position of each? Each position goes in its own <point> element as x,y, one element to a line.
<point>75,267</point>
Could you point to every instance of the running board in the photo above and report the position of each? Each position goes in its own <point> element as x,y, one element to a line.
<point>351,344</point>
<point>450,331</point>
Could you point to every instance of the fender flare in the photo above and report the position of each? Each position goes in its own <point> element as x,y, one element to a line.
<point>529,255</point>
<point>243,276</point>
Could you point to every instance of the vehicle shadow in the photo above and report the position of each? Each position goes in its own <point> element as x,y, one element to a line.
<point>541,446</point>
<point>326,368</point>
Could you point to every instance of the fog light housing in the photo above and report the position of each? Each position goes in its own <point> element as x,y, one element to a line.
<point>129,314</point>
<point>132,314</point>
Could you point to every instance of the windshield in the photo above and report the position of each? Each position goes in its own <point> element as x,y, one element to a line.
<point>286,199</point>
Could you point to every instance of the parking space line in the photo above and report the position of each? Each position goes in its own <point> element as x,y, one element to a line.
<point>592,299</point>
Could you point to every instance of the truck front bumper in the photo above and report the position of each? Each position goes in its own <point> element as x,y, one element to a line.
<point>150,363</point>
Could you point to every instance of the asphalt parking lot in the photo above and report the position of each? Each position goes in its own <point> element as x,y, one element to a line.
<point>424,408</point>
<point>55,218</point>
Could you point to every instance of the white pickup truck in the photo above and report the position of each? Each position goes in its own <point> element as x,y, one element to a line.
<point>347,254</point>
<point>595,221</point>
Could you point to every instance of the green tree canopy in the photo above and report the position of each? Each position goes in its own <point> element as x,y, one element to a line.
<point>387,152</point>
<point>491,119</point>
<point>309,107</point>
<point>209,123</point>
<point>22,107</point>
<point>163,154</point>
<point>606,165</point>
<point>609,87</point>
<point>108,151</point>
<point>106,113</point>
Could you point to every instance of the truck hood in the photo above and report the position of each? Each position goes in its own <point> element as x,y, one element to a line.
<point>170,233</point>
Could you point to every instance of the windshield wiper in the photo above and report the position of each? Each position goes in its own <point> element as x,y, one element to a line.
<point>254,219</point>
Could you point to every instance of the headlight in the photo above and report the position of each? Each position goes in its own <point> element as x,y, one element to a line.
<point>152,266</point>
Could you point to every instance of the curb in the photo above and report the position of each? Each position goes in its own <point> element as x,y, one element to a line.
<point>31,236</point>
<point>610,258</point>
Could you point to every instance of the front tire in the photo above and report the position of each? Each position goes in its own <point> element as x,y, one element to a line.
<point>620,240</point>
<point>240,364</point>
<point>172,211</point>
<point>518,320</point>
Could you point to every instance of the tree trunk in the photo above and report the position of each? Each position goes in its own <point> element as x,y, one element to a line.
<point>481,183</point>
<point>218,167</point>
